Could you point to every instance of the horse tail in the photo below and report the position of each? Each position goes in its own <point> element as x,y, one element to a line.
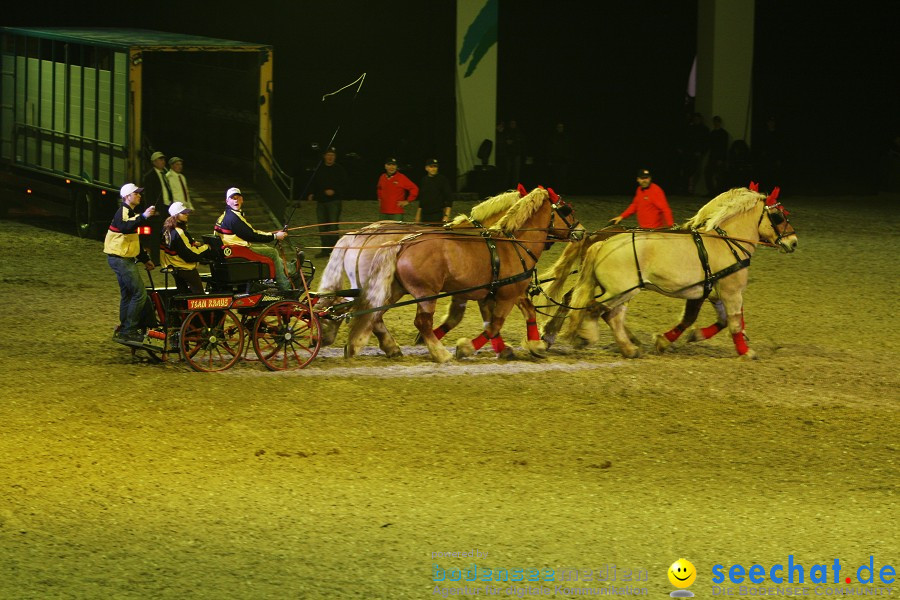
<point>381,275</point>
<point>560,270</point>
<point>583,293</point>
<point>333,277</point>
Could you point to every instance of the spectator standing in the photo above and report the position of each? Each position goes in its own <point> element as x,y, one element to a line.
<point>234,229</point>
<point>558,157</point>
<point>125,257</point>
<point>156,193</point>
<point>769,149</point>
<point>716,165</point>
<point>395,191</point>
<point>696,146</point>
<point>435,195</point>
<point>513,151</point>
<point>330,184</point>
<point>649,204</point>
<point>178,182</point>
<point>181,252</point>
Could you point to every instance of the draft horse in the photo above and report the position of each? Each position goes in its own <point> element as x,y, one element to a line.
<point>493,267</point>
<point>708,259</point>
<point>352,257</point>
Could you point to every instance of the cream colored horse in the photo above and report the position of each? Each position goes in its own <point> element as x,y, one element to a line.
<point>728,228</point>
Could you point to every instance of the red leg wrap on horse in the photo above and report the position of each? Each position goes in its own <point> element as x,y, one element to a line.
<point>674,333</point>
<point>480,341</point>
<point>740,343</point>
<point>708,332</point>
<point>532,330</point>
<point>440,332</point>
<point>497,343</point>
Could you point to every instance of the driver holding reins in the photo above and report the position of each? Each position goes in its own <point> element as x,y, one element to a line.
<point>235,230</point>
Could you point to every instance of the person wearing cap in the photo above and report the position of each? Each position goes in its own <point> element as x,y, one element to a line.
<point>435,196</point>
<point>234,229</point>
<point>181,252</point>
<point>329,186</point>
<point>649,204</point>
<point>158,193</point>
<point>124,255</point>
<point>395,191</point>
<point>178,183</point>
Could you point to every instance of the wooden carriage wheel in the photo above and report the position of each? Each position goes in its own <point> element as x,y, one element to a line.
<point>211,340</point>
<point>287,335</point>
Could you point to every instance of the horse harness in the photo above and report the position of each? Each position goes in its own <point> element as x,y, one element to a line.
<point>496,283</point>
<point>710,278</point>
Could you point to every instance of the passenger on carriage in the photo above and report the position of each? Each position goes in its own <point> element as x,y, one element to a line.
<point>234,229</point>
<point>181,252</point>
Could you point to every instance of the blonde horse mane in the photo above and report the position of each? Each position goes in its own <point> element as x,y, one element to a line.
<point>723,207</point>
<point>486,209</point>
<point>521,211</point>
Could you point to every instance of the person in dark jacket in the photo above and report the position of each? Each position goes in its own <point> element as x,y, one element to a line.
<point>234,229</point>
<point>156,193</point>
<point>181,252</point>
<point>435,196</point>
<point>125,255</point>
<point>330,185</point>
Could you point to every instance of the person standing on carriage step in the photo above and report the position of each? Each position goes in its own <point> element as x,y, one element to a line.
<point>181,252</point>
<point>435,196</point>
<point>649,204</point>
<point>125,256</point>
<point>395,191</point>
<point>235,230</point>
<point>330,185</point>
<point>158,193</point>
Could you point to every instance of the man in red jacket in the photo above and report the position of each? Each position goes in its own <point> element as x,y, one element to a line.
<point>649,203</point>
<point>395,191</point>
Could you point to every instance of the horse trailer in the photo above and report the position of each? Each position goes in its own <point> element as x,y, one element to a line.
<point>84,108</point>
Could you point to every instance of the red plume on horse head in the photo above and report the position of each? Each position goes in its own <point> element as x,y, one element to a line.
<point>754,187</point>
<point>772,200</point>
<point>554,197</point>
<point>522,191</point>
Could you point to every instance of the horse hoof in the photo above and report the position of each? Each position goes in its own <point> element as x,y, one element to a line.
<point>537,348</point>
<point>394,353</point>
<point>419,340</point>
<point>662,343</point>
<point>347,352</point>
<point>579,342</point>
<point>442,357</point>
<point>464,348</point>
<point>506,354</point>
<point>633,352</point>
<point>749,355</point>
<point>548,339</point>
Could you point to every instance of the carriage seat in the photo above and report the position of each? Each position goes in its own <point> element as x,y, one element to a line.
<point>238,264</point>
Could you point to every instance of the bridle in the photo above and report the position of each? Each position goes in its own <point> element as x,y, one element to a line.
<point>566,213</point>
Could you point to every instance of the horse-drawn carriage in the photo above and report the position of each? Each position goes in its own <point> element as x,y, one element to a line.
<point>242,308</point>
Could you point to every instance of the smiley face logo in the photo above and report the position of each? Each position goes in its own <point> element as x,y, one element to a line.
<point>682,573</point>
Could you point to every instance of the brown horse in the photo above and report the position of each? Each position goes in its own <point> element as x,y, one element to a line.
<point>708,259</point>
<point>352,257</point>
<point>429,265</point>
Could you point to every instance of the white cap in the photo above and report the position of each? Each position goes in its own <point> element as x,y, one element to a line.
<point>177,208</point>
<point>128,189</point>
<point>156,155</point>
<point>231,192</point>
<point>174,160</point>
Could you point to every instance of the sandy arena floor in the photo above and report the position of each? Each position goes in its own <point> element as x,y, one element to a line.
<point>123,479</point>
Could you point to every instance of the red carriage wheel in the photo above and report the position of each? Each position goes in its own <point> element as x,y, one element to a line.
<point>287,336</point>
<point>211,340</point>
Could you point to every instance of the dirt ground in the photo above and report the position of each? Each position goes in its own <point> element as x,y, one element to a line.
<point>124,479</point>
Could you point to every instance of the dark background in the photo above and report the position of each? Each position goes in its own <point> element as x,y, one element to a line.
<point>615,74</point>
